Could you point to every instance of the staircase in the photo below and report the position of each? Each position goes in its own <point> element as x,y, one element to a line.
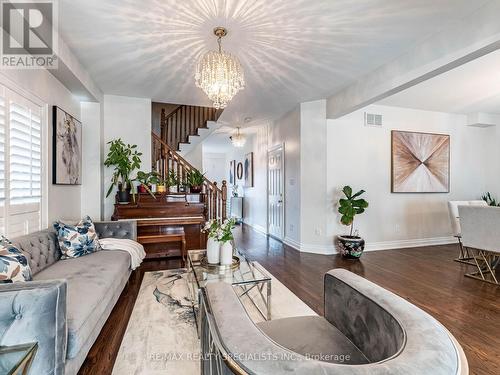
<point>166,159</point>
<point>183,122</point>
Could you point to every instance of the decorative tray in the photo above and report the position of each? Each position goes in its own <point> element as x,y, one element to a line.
<point>218,267</point>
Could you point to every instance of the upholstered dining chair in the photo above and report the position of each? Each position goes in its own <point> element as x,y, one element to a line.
<point>465,255</point>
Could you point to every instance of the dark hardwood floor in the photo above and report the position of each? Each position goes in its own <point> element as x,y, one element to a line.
<point>425,276</point>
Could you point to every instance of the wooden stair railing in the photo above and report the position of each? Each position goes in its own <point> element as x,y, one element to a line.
<point>183,122</point>
<point>165,159</point>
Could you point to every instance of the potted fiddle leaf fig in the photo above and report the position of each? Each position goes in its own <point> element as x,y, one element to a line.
<point>124,158</point>
<point>351,246</point>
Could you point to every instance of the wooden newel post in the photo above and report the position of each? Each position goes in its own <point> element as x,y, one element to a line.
<point>214,202</point>
<point>224,199</point>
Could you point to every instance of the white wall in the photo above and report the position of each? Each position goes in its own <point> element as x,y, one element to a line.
<point>361,157</point>
<point>91,189</point>
<point>313,166</point>
<point>62,201</point>
<point>286,131</point>
<point>129,119</point>
<point>214,167</point>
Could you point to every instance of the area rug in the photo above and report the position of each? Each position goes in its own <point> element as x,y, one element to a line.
<point>161,336</point>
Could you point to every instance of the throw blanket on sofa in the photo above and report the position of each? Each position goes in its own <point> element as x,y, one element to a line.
<point>135,249</point>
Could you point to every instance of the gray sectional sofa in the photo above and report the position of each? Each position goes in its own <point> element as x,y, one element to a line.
<point>66,305</point>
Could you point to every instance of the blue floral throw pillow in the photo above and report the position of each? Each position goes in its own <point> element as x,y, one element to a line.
<point>14,266</point>
<point>77,240</point>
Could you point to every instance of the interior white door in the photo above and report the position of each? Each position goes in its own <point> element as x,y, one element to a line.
<point>275,191</point>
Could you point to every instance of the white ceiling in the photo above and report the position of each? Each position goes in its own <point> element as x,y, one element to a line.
<point>292,50</point>
<point>472,87</point>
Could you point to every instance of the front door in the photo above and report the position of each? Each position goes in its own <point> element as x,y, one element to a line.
<point>275,189</point>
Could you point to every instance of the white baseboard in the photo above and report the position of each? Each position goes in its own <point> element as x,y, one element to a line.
<point>256,227</point>
<point>403,244</point>
<point>371,246</point>
<point>292,243</point>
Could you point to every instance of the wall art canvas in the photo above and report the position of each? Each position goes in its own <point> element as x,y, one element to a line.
<point>248,170</point>
<point>67,148</point>
<point>232,172</point>
<point>420,162</point>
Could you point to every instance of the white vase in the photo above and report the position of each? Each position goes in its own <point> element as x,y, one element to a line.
<point>226,253</point>
<point>213,250</point>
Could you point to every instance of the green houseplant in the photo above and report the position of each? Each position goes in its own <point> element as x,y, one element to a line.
<point>195,181</point>
<point>172,181</point>
<point>351,246</point>
<point>146,180</point>
<point>488,198</point>
<point>124,158</point>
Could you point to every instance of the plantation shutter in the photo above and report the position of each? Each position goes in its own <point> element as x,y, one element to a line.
<point>20,164</point>
<point>2,161</point>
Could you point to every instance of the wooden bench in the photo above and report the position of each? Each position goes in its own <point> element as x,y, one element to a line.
<point>164,236</point>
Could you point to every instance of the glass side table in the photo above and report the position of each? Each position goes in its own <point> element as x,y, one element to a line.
<point>247,277</point>
<point>17,359</point>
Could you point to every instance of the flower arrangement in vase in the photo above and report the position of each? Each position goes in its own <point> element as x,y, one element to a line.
<point>220,241</point>
<point>226,239</point>
<point>212,229</point>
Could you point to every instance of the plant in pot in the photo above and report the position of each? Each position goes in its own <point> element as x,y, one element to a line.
<point>172,182</point>
<point>146,181</point>
<point>226,240</point>
<point>195,180</point>
<point>124,158</point>
<point>351,246</point>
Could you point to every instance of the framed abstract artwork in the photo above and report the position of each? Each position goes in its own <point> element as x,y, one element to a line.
<point>239,171</point>
<point>232,172</point>
<point>248,170</point>
<point>67,148</point>
<point>420,162</point>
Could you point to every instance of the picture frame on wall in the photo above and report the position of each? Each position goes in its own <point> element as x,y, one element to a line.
<point>420,162</point>
<point>248,170</point>
<point>232,172</point>
<point>239,171</point>
<point>67,148</point>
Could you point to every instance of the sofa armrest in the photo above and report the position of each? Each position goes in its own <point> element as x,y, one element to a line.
<point>35,311</point>
<point>126,229</point>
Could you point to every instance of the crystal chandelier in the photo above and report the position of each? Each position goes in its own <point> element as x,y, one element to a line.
<point>219,74</point>
<point>238,140</point>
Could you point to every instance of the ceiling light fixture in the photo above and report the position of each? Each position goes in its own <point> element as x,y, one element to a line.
<point>219,74</point>
<point>238,139</point>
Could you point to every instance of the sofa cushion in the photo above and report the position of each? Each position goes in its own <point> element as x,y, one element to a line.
<point>40,248</point>
<point>92,282</point>
<point>77,240</point>
<point>14,265</point>
<point>315,338</point>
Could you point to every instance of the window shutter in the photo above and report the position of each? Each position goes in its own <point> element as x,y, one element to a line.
<point>2,163</point>
<point>20,164</point>
<point>25,155</point>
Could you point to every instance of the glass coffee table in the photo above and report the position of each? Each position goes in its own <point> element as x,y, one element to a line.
<point>17,359</point>
<point>247,277</point>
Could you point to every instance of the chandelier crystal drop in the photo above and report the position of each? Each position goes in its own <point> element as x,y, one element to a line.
<point>238,140</point>
<point>219,74</point>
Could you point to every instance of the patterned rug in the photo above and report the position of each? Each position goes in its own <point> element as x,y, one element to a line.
<point>161,335</point>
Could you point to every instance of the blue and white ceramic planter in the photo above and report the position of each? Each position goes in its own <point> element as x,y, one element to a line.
<point>351,247</point>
